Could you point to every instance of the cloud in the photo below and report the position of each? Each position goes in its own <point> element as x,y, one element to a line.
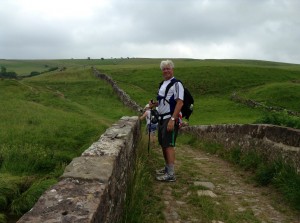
<point>266,29</point>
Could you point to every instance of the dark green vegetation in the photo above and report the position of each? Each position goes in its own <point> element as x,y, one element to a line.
<point>49,118</point>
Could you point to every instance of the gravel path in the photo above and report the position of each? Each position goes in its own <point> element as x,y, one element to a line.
<point>209,189</point>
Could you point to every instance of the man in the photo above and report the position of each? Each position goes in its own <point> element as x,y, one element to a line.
<point>169,110</point>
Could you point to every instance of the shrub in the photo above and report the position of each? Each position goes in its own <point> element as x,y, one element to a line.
<point>235,155</point>
<point>265,173</point>
<point>34,73</point>
<point>250,160</point>
<point>8,75</point>
<point>281,119</point>
<point>288,182</point>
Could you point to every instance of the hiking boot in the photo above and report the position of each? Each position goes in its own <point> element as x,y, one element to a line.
<point>166,178</point>
<point>161,171</point>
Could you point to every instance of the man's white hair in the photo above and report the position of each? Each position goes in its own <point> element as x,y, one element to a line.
<point>166,63</point>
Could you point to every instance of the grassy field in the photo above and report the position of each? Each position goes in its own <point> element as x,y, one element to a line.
<point>212,82</point>
<point>47,120</point>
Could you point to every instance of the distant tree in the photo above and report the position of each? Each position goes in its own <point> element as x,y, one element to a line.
<point>11,74</point>
<point>102,58</point>
<point>8,75</point>
<point>5,74</point>
<point>34,73</point>
<point>88,58</point>
<point>3,70</point>
<point>52,68</point>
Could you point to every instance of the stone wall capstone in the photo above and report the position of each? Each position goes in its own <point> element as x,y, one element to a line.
<point>274,142</point>
<point>93,186</point>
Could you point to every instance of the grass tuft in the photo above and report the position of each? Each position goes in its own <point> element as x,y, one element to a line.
<point>9,189</point>
<point>3,218</point>
<point>27,199</point>
<point>142,202</point>
<point>281,119</point>
<point>29,159</point>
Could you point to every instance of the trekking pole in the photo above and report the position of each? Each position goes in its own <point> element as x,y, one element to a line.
<point>149,132</point>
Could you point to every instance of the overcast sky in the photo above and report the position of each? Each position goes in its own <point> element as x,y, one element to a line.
<point>202,29</point>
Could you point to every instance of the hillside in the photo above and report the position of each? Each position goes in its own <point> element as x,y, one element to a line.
<point>212,82</point>
<point>48,119</point>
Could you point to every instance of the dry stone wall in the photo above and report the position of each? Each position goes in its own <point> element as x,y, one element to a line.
<point>254,104</point>
<point>93,186</point>
<point>127,101</point>
<point>274,142</point>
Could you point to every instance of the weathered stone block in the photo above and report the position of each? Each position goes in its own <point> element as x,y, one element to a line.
<point>70,200</point>
<point>90,168</point>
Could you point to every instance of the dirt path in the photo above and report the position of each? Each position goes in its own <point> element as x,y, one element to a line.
<point>209,189</point>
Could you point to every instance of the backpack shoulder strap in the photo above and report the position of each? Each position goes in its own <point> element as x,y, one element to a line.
<point>173,81</point>
<point>160,84</point>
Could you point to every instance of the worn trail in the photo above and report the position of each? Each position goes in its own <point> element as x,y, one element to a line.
<point>209,189</point>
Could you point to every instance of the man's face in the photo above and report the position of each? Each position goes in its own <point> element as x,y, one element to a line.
<point>167,72</point>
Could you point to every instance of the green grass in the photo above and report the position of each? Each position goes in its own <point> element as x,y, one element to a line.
<point>57,115</point>
<point>46,121</point>
<point>208,210</point>
<point>25,67</point>
<point>211,86</point>
<point>280,118</point>
<point>143,204</point>
<point>283,94</point>
<point>27,199</point>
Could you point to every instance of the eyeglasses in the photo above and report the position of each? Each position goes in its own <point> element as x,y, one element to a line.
<point>167,68</point>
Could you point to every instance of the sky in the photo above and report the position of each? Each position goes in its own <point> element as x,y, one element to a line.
<point>201,29</point>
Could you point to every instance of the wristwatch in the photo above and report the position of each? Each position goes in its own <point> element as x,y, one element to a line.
<point>172,118</point>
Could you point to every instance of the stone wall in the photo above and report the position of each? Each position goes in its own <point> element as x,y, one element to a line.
<point>271,141</point>
<point>254,104</point>
<point>93,186</point>
<point>127,101</point>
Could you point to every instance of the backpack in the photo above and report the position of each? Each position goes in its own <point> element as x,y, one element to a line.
<point>154,116</point>
<point>188,100</point>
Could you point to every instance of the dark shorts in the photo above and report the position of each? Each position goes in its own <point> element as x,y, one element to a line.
<point>166,139</point>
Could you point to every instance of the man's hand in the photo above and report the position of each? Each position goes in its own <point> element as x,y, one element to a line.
<point>171,125</point>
